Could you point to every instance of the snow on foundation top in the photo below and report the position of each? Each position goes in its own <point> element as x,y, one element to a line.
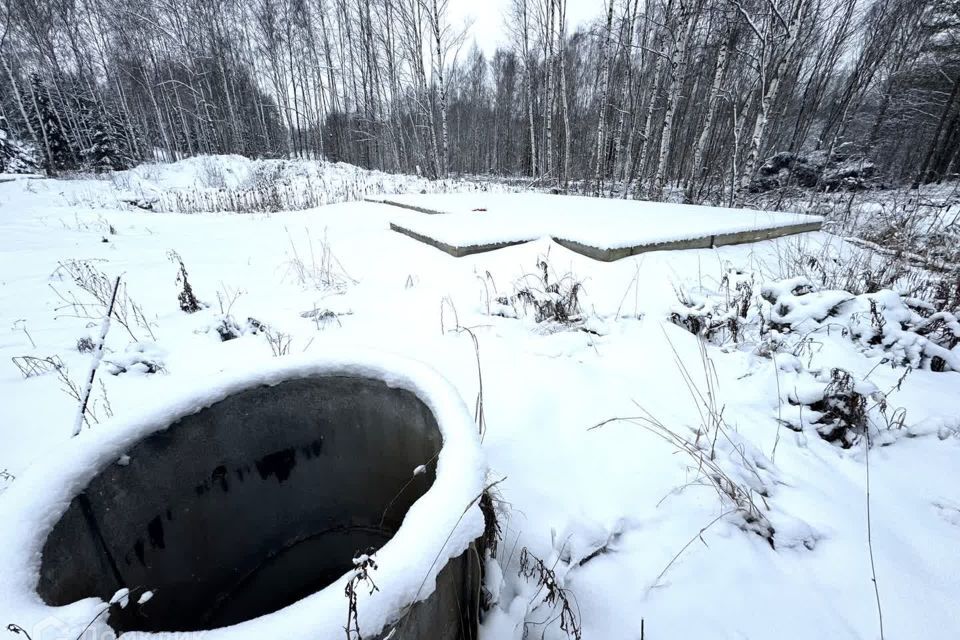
<point>439,526</point>
<point>490,218</point>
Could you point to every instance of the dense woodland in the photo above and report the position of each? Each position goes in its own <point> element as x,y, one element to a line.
<point>654,95</point>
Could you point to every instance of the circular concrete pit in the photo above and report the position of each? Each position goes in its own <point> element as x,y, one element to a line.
<point>256,501</point>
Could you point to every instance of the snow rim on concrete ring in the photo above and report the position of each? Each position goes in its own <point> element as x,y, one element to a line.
<point>439,526</point>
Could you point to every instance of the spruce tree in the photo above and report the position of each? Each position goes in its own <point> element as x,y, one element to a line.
<point>58,155</point>
<point>15,157</point>
<point>6,145</point>
<point>103,155</point>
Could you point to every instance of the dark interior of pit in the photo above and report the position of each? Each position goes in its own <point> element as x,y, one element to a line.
<point>246,506</point>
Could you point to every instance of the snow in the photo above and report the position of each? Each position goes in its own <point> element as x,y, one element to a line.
<point>121,597</point>
<point>490,218</point>
<point>663,558</point>
<point>10,177</point>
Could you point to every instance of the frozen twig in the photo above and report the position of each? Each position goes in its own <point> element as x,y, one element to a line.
<point>95,362</point>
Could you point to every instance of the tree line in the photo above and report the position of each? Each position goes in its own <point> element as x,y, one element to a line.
<point>652,96</point>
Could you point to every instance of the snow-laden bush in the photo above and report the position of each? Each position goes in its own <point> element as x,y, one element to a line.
<point>544,295</point>
<point>788,318</point>
<point>718,316</point>
<point>139,358</point>
<point>835,404</point>
<point>903,330</point>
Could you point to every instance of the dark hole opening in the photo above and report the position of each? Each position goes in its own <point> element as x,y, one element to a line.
<point>246,506</point>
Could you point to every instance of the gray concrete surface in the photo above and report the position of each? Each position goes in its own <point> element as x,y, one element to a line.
<point>455,251</point>
<point>609,255</point>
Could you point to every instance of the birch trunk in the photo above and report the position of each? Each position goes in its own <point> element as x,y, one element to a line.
<point>697,169</point>
<point>604,90</point>
<point>548,100</point>
<point>638,162</point>
<point>677,67</point>
<point>528,81</point>
<point>767,100</point>
<point>19,100</point>
<point>624,92</point>
<point>564,107</point>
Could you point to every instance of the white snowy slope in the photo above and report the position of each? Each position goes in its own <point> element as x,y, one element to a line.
<point>479,218</point>
<point>673,557</point>
<point>232,183</point>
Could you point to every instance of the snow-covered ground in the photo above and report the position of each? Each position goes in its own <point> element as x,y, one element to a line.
<point>720,512</point>
<point>482,218</point>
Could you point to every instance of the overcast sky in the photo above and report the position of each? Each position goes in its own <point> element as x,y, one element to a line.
<point>489,29</point>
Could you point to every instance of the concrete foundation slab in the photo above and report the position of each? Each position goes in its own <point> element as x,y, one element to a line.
<point>601,229</point>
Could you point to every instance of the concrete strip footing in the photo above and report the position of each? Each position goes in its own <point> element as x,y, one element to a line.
<point>455,251</point>
<point>618,253</point>
<point>403,205</point>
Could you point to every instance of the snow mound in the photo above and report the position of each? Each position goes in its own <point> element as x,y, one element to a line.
<point>231,183</point>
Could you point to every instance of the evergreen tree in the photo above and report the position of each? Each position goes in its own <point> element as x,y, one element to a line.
<point>6,146</point>
<point>59,156</point>
<point>103,155</point>
<point>15,157</point>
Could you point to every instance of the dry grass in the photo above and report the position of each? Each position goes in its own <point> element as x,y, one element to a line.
<point>701,449</point>
<point>91,297</point>
<point>314,266</point>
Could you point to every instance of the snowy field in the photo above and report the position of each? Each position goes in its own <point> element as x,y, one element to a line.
<point>481,218</point>
<point>732,506</point>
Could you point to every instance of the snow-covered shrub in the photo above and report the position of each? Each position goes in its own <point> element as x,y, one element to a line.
<point>554,594</point>
<point>187,299</point>
<point>212,174</point>
<point>279,341</point>
<point>324,317</point>
<point>840,412</point>
<point>719,316</point>
<point>901,330</point>
<point>904,330</point>
<point>228,328</point>
<point>841,171</point>
<point>839,407</point>
<point>837,267</point>
<point>138,357</point>
<point>544,295</point>
<point>225,324</point>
